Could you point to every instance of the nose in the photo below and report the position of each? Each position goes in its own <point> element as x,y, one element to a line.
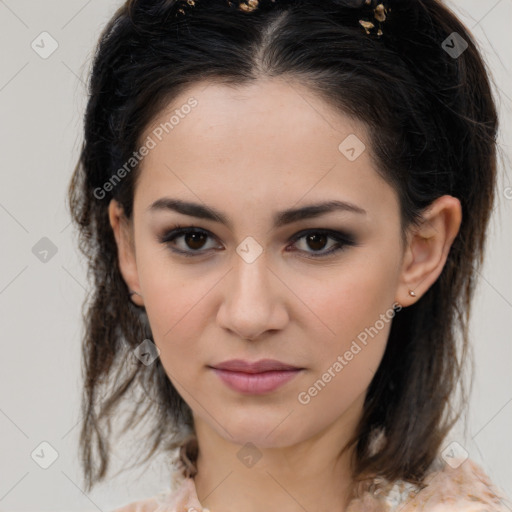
<point>254,300</point>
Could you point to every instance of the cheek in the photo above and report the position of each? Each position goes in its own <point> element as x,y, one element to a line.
<point>356,314</point>
<point>345,362</point>
<point>351,297</point>
<point>174,299</point>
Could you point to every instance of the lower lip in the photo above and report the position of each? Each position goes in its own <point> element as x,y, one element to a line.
<point>256,383</point>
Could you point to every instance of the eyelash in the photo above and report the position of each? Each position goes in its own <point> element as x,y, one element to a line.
<point>342,239</point>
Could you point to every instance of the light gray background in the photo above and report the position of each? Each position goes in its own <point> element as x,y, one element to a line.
<point>41,107</point>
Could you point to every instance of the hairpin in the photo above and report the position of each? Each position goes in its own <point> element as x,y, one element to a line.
<point>248,5</point>
<point>191,3</point>
<point>380,12</point>
<point>379,17</point>
<point>243,5</point>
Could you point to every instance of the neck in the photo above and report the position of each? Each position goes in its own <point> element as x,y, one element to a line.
<point>311,475</point>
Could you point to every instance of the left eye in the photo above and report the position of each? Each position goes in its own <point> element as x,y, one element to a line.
<point>194,241</point>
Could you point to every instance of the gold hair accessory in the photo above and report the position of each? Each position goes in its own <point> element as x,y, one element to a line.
<point>244,5</point>
<point>379,17</point>
<point>190,3</point>
<point>248,5</point>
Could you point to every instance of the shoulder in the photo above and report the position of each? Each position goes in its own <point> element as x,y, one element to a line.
<point>183,498</point>
<point>459,486</point>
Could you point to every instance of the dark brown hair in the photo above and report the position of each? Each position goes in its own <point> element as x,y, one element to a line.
<point>432,123</point>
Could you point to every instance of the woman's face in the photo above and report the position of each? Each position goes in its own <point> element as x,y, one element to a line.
<point>245,289</point>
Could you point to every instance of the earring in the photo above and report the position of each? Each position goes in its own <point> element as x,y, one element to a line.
<point>411,293</point>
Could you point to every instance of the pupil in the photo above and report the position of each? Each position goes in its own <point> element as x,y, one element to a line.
<point>313,237</point>
<point>195,237</point>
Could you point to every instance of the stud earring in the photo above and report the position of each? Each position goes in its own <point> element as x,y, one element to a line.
<point>411,293</point>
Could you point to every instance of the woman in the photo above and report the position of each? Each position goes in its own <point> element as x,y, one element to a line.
<point>283,204</point>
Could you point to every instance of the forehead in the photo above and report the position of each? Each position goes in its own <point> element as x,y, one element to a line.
<point>271,141</point>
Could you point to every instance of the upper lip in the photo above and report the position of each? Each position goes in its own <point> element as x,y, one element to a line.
<point>263,365</point>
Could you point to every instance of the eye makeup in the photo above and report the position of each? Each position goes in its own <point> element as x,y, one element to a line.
<point>193,234</point>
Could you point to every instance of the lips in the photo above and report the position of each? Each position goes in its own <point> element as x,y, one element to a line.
<point>263,365</point>
<point>255,378</point>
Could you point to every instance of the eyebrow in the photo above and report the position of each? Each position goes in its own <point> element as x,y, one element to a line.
<point>280,218</point>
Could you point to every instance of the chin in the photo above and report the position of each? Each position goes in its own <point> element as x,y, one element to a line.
<point>269,432</point>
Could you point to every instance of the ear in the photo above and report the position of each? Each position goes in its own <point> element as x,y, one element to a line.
<point>123,233</point>
<point>427,248</point>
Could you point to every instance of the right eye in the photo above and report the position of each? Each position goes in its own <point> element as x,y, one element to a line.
<point>193,240</point>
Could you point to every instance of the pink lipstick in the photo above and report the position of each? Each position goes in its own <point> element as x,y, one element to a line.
<point>255,378</point>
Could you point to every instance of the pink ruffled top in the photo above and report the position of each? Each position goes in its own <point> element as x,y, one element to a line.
<point>461,486</point>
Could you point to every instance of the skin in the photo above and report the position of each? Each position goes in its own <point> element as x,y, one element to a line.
<point>250,152</point>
